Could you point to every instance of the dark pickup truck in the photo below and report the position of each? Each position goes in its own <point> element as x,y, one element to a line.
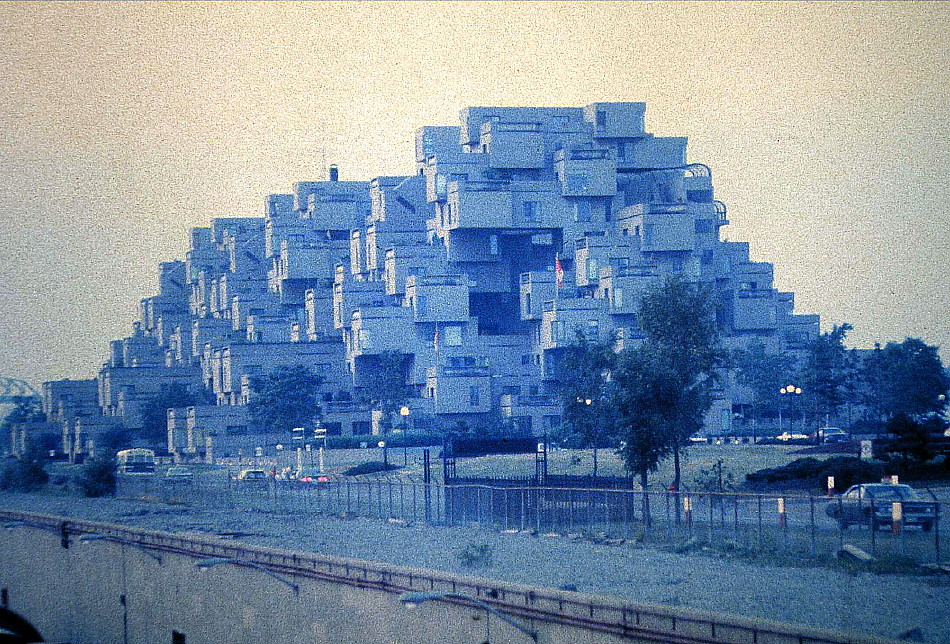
<point>872,504</point>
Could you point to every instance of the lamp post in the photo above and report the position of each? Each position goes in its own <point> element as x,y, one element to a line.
<point>123,598</point>
<point>411,600</point>
<point>786,391</point>
<point>210,562</point>
<point>404,412</point>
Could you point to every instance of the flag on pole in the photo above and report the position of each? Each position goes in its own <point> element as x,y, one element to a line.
<point>558,270</point>
<point>435,340</point>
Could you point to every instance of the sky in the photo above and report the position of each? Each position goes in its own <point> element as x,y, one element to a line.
<point>124,125</point>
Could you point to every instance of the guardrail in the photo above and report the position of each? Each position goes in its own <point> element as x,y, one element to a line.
<point>636,621</point>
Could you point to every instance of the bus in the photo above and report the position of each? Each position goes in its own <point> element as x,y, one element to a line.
<point>135,461</point>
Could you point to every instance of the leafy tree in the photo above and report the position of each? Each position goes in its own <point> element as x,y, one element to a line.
<point>155,410</point>
<point>765,374</point>
<point>587,410</point>
<point>906,378</point>
<point>911,442</point>
<point>678,322</point>
<point>97,477</point>
<point>286,398</point>
<point>26,472</point>
<point>646,395</point>
<point>26,409</point>
<point>827,371</point>
<point>385,386</point>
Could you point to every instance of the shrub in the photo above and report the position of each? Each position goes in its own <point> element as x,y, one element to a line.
<point>813,473</point>
<point>24,473</point>
<point>475,555</point>
<point>848,471</point>
<point>369,467</point>
<point>97,477</point>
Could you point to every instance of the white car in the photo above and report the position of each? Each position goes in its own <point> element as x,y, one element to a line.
<point>179,472</point>
<point>698,438</point>
<point>787,436</point>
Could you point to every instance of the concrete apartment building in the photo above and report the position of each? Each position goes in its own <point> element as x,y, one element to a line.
<point>453,266</point>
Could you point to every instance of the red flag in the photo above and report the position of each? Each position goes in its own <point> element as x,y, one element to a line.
<point>558,270</point>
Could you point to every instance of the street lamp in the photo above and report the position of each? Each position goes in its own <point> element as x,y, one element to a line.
<point>216,561</point>
<point>404,412</point>
<point>411,600</point>
<point>785,391</point>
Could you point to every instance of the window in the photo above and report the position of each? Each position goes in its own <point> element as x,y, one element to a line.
<point>511,390</point>
<point>543,239</point>
<point>601,120</point>
<point>557,330</point>
<point>473,396</point>
<point>582,211</point>
<point>618,298</point>
<point>593,330</point>
<point>422,305</point>
<point>593,269</point>
<point>493,245</point>
<point>365,339</point>
<point>648,234</point>
<point>453,335</point>
<point>527,302</point>
<point>526,359</point>
<point>621,150</point>
<point>532,211</point>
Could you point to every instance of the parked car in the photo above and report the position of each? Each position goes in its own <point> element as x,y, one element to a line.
<point>179,473</point>
<point>871,504</point>
<point>698,438</point>
<point>252,475</point>
<point>792,436</point>
<point>833,435</point>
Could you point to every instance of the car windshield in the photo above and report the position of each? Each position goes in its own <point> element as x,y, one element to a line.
<point>891,492</point>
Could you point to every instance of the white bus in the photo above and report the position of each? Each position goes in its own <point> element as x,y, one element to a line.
<point>135,461</point>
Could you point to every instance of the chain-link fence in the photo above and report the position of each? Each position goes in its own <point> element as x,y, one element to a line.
<point>792,524</point>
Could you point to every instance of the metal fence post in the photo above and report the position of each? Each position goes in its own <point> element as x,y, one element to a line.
<point>814,534</point>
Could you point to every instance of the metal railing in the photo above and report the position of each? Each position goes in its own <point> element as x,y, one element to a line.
<point>798,525</point>
<point>644,622</point>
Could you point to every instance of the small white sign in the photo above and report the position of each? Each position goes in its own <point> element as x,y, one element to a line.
<point>867,450</point>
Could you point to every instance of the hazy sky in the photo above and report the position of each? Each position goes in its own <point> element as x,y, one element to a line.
<point>122,126</point>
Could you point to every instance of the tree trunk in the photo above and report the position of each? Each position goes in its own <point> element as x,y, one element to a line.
<point>595,460</point>
<point>676,482</point>
<point>646,499</point>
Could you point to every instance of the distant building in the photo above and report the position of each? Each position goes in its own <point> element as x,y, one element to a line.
<point>455,267</point>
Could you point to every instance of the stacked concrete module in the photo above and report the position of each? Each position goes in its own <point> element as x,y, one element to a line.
<point>454,267</point>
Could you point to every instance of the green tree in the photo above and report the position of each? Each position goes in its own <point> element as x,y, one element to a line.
<point>911,442</point>
<point>155,410</point>
<point>765,374</point>
<point>646,393</point>
<point>26,409</point>
<point>678,322</point>
<point>385,386</point>
<point>827,371</point>
<point>584,368</point>
<point>906,378</point>
<point>26,472</point>
<point>286,398</point>
<point>97,477</point>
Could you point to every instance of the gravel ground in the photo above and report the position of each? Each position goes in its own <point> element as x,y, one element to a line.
<point>865,603</point>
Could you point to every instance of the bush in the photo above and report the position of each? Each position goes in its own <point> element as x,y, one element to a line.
<point>24,473</point>
<point>392,440</point>
<point>475,555</point>
<point>813,473</point>
<point>848,471</point>
<point>369,467</point>
<point>97,477</point>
